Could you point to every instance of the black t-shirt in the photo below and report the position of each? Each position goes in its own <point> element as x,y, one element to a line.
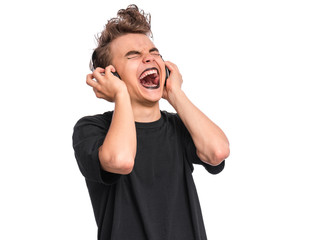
<point>158,199</point>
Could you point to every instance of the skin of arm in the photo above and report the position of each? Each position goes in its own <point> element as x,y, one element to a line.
<point>211,143</point>
<point>118,150</point>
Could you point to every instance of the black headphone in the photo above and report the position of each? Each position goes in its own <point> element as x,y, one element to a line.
<point>93,64</point>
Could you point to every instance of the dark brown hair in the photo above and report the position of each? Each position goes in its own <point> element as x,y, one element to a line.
<point>129,20</point>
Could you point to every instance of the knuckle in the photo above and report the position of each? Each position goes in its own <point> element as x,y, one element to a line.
<point>98,94</point>
<point>88,80</point>
<point>98,88</point>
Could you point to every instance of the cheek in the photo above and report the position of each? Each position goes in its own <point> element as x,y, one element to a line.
<point>128,73</point>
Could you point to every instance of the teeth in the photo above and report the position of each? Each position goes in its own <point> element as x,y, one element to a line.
<point>148,73</point>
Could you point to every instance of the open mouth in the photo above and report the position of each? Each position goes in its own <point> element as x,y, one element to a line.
<point>150,78</point>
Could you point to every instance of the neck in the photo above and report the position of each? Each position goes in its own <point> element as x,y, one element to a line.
<point>146,113</point>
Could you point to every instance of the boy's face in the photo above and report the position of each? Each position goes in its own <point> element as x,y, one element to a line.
<point>140,66</point>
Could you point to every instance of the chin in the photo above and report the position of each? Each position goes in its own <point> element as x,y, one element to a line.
<point>152,96</point>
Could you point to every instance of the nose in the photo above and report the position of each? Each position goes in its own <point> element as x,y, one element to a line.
<point>148,58</point>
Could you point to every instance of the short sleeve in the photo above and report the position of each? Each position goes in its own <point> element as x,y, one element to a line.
<point>191,152</point>
<point>89,134</point>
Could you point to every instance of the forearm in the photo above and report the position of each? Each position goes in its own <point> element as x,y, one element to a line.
<point>119,148</point>
<point>211,143</point>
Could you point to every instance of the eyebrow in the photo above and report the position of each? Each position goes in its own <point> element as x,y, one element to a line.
<point>154,49</point>
<point>134,52</point>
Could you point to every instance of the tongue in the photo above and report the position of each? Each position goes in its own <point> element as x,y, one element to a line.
<point>150,81</point>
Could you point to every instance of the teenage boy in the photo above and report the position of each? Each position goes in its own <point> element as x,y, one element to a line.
<point>138,160</point>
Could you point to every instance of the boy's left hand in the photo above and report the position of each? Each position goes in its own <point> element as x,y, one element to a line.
<point>173,83</point>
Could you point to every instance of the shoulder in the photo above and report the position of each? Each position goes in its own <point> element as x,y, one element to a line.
<point>171,117</point>
<point>95,125</point>
<point>95,120</point>
<point>174,122</point>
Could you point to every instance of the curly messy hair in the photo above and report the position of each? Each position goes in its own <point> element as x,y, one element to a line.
<point>129,20</point>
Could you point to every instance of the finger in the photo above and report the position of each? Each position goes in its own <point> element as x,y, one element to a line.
<point>109,69</point>
<point>99,69</point>
<point>98,73</point>
<point>171,66</point>
<point>98,93</point>
<point>90,81</point>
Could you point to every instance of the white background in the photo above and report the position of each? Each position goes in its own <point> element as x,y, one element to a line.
<point>264,71</point>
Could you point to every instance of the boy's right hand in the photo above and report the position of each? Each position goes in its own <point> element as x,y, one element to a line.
<point>106,85</point>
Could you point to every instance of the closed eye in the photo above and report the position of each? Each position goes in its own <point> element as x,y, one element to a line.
<point>135,54</point>
<point>155,52</point>
<point>132,54</point>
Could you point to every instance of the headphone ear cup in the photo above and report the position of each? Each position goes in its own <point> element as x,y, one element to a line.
<point>167,71</point>
<point>116,74</point>
<point>93,64</point>
<point>167,75</point>
<point>93,61</point>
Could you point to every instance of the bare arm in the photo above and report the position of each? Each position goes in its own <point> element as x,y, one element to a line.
<point>118,151</point>
<point>211,143</point>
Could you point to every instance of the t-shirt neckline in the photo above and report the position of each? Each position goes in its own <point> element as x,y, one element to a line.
<point>154,124</point>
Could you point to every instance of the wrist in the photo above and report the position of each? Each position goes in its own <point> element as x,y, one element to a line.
<point>122,94</point>
<point>176,97</point>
